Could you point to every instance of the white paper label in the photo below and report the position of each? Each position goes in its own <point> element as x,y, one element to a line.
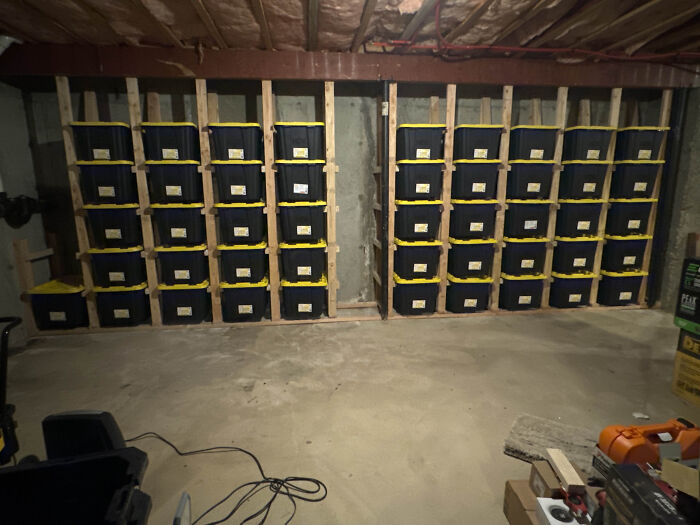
<point>302,189</point>
<point>121,313</point>
<point>422,188</point>
<point>242,272</point>
<point>420,268</point>
<point>240,231</point>
<point>113,233</point>
<point>236,154</point>
<point>583,225</point>
<point>116,277</point>
<point>481,153</point>
<point>574,297</point>
<point>184,311</point>
<point>640,186</point>
<point>579,262</point>
<point>478,187</point>
<point>304,308</point>
<point>101,154</point>
<point>245,308</point>
<point>418,304</point>
<point>530,225</point>
<point>634,224</point>
<point>303,270</point>
<point>182,274</point>
<point>303,230</point>
<point>625,296</point>
<point>527,263</point>
<point>474,265</point>
<point>524,299</point>
<point>173,191</point>
<point>420,228</point>
<point>589,187</point>
<point>105,191</point>
<point>178,233</point>
<point>423,153</point>
<point>593,154</point>
<point>644,154</point>
<point>537,154</point>
<point>238,189</point>
<point>300,153</point>
<point>57,316</point>
<point>629,259</point>
<point>476,226</point>
<point>170,154</point>
<point>533,187</point>
<point>470,303</point>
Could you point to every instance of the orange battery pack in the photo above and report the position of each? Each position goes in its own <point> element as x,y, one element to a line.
<point>640,444</point>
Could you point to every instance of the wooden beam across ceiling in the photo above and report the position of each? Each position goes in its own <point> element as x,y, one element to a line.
<point>676,40</point>
<point>259,13</point>
<point>38,13</point>
<point>15,32</point>
<point>618,22</point>
<point>367,13</point>
<point>312,25</point>
<point>470,21</point>
<point>204,15</point>
<point>520,20</point>
<point>418,19</point>
<point>99,19</point>
<point>166,29</point>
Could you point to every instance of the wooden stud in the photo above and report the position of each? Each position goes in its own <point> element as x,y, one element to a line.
<point>649,33</point>
<point>469,21</point>
<point>367,13</point>
<point>142,6</point>
<point>153,107</point>
<point>329,112</point>
<point>434,110</point>
<point>40,16</point>
<point>208,191</point>
<point>536,112</point>
<point>569,478</point>
<point>392,196</point>
<point>485,111</point>
<point>312,25</point>
<point>424,11</point>
<point>25,278</point>
<point>619,21</point>
<point>209,23</point>
<point>134,101</point>
<point>91,111</point>
<point>65,109</point>
<point>584,112</point>
<point>273,246</point>
<point>450,109</point>
<point>259,12</point>
<point>506,117</point>
<point>213,106</point>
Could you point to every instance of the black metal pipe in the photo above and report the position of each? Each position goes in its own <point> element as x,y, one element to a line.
<point>4,351</point>
<point>384,303</point>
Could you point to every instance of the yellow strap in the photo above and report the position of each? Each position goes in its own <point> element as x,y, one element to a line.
<point>301,204</point>
<point>529,201</point>
<point>475,201</point>
<point>308,124</point>
<point>410,203</point>
<point>171,162</point>
<point>239,204</point>
<point>421,126</point>
<point>300,161</point>
<point>475,161</point>
<point>421,161</point>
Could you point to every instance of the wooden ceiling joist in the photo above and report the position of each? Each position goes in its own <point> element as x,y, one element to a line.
<point>99,19</point>
<point>204,15</point>
<point>470,21</point>
<point>312,26</point>
<point>687,35</point>
<point>143,7</point>
<point>15,32</point>
<point>259,12</point>
<point>520,20</point>
<point>367,13</point>
<point>41,15</point>
<point>418,19</point>
<point>624,19</point>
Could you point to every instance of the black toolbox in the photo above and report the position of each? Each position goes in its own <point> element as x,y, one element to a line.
<point>170,140</point>
<point>415,296</point>
<point>475,179</point>
<point>185,303</point>
<point>420,141</point>
<point>529,179</point>
<point>300,140</point>
<point>526,218</point>
<point>416,259</point>
<point>417,220</point>
<point>570,290</point>
<point>102,141</point>
<point>419,180</point>
<point>574,254</point>
<point>241,223</point>
<point>235,140</point>
<point>122,305</point>
<point>639,142</point>
<point>300,180</point>
<point>477,141</point>
<point>474,219</point>
<point>242,263</point>
<point>634,179</point>
<point>523,256</point>
<point>576,218</point>
<point>521,292</point>
<point>176,181</point>
<point>239,180</point>
<point>582,179</point>
<point>304,299</point>
<point>114,225</point>
<point>107,182</point>
<point>532,142</point>
<point>470,258</point>
<point>467,295</point>
<point>244,301</point>
<point>117,266</point>
<point>179,224</point>
<point>587,142</point>
<point>302,221</point>
<point>183,264</point>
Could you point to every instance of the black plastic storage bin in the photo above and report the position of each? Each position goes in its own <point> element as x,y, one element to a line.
<point>416,259</point>
<point>242,263</point>
<point>107,181</point>
<point>170,140</point>
<point>241,223</point>
<point>477,141</point>
<point>532,142</point>
<point>639,142</point>
<point>117,266</point>
<point>114,225</point>
<point>417,220</point>
<point>633,179</point>
<point>587,142</point>
<point>235,140</point>
<point>522,292</point>
<point>574,254</point>
<point>415,296</point>
<point>239,180</point>
<point>303,261</point>
<point>58,306</point>
<point>122,305</point>
<point>523,256</point>
<point>628,216</point>
<point>183,264</point>
<point>174,181</point>
<point>570,290</point>
<point>529,179</point>
<point>300,180</point>
<point>526,219</point>
<point>185,303</point>
<point>300,140</point>
<point>619,288</point>
<point>475,179</point>
<point>470,258</point>
<point>582,179</point>
<point>576,218</point>
<point>467,295</point>
<point>304,299</point>
<point>244,301</point>
<point>302,221</point>
<point>624,254</point>
<point>179,224</point>
<point>419,180</point>
<point>102,141</point>
<point>419,141</point>
<point>472,219</point>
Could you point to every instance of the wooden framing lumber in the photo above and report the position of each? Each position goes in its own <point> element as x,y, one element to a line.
<point>91,111</point>
<point>392,197</point>
<point>618,22</point>
<point>470,20</point>
<point>330,169</point>
<point>434,110</point>
<point>312,25</point>
<point>100,19</point>
<point>259,12</point>
<point>367,13</point>
<point>569,478</point>
<point>424,11</point>
<point>166,29</point>
<point>584,112</point>
<point>37,12</point>
<point>485,111</point>
<point>209,23</point>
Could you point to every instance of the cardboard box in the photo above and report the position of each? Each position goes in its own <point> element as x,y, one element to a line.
<point>688,305</point>
<point>543,481</point>
<point>681,477</point>
<point>519,503</point>
<point>686,368</point>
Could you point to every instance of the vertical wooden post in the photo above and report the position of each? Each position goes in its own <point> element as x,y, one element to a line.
<point>485,111</point>
<point>434,111</point>
<point>91,111</point>
<point>331,169</point>
<point>132,93</point>
<point>451,100</point>
<point>501,194</point>
<point>153,107</point>
<point>25,278</point>
<point>536,111</point>
<point>584,112</point>
<point>271,206</point>
<point>66,113</point>
<point>208,191</point>
<point>560,118</point>
<point>614,122</point>
<point>392,197</point>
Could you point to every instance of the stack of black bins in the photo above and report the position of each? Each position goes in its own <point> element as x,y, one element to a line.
<point>301,195</point>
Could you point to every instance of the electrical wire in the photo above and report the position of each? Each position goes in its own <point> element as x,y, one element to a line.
<point>294,488</point>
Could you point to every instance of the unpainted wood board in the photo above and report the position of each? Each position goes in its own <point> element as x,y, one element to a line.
<point>392,193</point>
<point>450,110</point>
<point>331,168</point>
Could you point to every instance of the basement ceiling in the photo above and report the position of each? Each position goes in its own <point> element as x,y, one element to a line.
<point>568,29</point>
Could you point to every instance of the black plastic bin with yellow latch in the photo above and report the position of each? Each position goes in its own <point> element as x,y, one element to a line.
<point>303,261</point>
<point>470,258</point>
<point>474,219</point>
<point>179,224</point>
<point>174,181</point>
<point>114,225</point>
<point>241,222</point>
<point>244,301</point>
<point>417,220</point>
<point>300,180</point>
<point>304,299</point>
<point>582,179</point>
<point>102,141</point>
<point>416,259</point>
<point>574,254</point>
<point>570,290</point>
<point>475,179</point>
<point>477,141</point>
<point>57,305</point>
<point>302,221</point>
<point>299,140</point>
<point>468,295</point>
<point>529,179</point>
<point>239,180</point>
<point>521,292</point>
<point>415,296</point>
<point>242,263</point>
<point>530,142</point>
<point>170,140</point>
<point>420,141</point>
<point>419,180</point>
<point>185,303</point>
<point>107,182</point>
<point>183,264</point>
<point>122,305</point>
<point>587,142</point>
<point>235,140</point>
<point>523,256</point>
<point>117,266</point>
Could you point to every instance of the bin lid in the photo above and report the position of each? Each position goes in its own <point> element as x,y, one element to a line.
<point>110,206</point>
<point>471,241</point>
<point>644,128</point>
<point>480,126</point>
<point>77,123</point>
<point>526,239</point>
<point>168,124</point>
<point>399,242</point>
<point>633,200</point>
<point>640,162</point>
<point>581,275</point>
<point>134,288</point>
<point>605,128</point>
<point>234,125</point>
<point>581,201</point>
<point>533,277</point>
<point>201,286</point>
<point>237,162</point>
<point>288,245</point>
<point>475,201</point>
<point>260,246</point>
<point>399,280</point>
<point>259,284</point>
<point>638,273</point>
<point>637,237</point>
<point>529,201</point>
<point>409,203</point>
<point>178,205</point>
<point>198,248</point>
<point>474,161</point>
<point>567,162</point>
<point>292,204</point>
<point>173,162</point>
<point>528,161</point>
<point>421,161</point>
<point>321,282</point>
<point>299,161</point>
<point>239,204</point>
<point>421,126</point>
<point>308,124</point>
<point>469,280</point>
<point>583,238</point>
<point>103,162</point>
<point>130,249</point>
<point>55,287</point>
<point>533,126</point>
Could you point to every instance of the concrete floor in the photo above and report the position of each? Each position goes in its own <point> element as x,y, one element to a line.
<point>404,420</point>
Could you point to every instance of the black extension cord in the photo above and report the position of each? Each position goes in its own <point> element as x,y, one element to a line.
<point>290,487</point>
